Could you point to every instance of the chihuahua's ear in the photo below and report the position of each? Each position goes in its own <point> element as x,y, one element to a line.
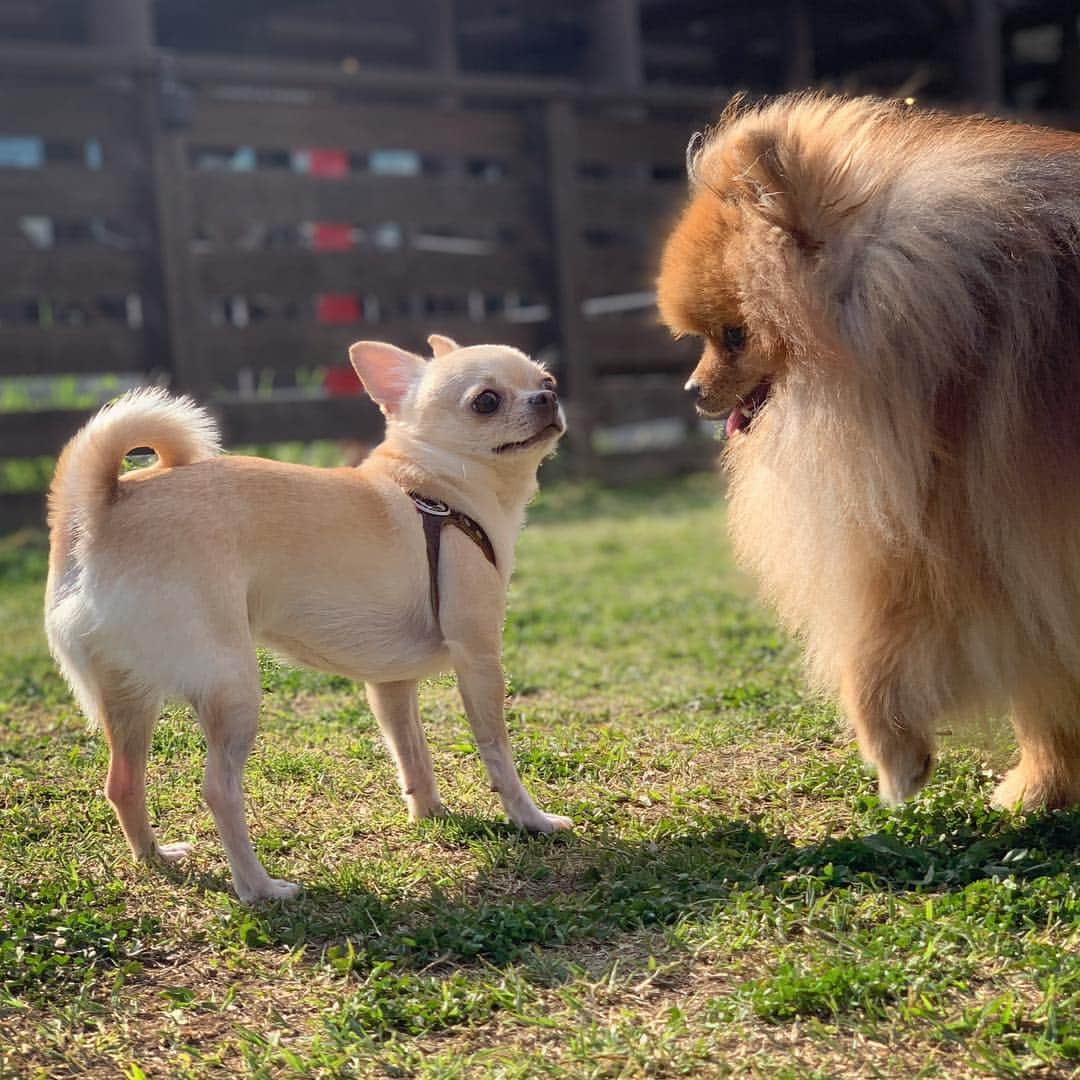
<point>441,345</point>
<point>386,371</point>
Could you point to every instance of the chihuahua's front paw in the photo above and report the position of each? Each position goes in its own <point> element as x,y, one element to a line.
<point>539,822</point>
<point>421,811</point>
<point>171,854</point>
<point>163,854</point>
<point>271,889</point>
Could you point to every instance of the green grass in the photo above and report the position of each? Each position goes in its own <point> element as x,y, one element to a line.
<point>734,899</point>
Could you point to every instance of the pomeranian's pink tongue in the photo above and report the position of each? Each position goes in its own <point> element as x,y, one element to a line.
<point>736,421</point>
<point>745,411</point>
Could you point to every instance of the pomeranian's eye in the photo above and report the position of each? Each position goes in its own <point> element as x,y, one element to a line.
<point>486,402</point>
<point>734,338</point>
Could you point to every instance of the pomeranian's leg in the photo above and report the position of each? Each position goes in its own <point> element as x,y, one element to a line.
<point>128,719</point>
<point>892,727</point>
<point>483,689</point>
<point>397,710</point>
<point>1046,718</point>
<point>229,714</point>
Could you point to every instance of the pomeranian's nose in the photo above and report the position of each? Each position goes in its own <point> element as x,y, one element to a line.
<point>545,400</point>
<point>692,386</point>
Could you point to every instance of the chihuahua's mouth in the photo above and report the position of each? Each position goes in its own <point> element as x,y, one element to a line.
<point>549,431</point>
<point>742,416</point>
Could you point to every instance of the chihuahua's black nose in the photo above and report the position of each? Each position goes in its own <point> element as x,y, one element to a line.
<point>545,400</point>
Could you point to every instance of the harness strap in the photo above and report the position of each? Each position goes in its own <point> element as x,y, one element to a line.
<point>434,517</point>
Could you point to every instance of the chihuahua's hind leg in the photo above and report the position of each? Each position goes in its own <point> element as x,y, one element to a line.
<point>397,710</point>
<point>128,718</point>
<point>229,715</point>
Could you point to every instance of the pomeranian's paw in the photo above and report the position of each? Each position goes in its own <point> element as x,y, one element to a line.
<point>1011,792</point>
<point>1031,792</point>
<point>171,854</point>
<point>904,774</point>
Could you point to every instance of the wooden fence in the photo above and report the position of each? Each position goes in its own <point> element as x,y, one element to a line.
<point>230,227</point>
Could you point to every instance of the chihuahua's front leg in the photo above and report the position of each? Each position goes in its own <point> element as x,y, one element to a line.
<point>483,690</point>
<point>480,680</point>
<point>397,710</point>
<point>471,620</point>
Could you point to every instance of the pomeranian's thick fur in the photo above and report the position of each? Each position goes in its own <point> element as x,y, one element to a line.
<point>890,304</point>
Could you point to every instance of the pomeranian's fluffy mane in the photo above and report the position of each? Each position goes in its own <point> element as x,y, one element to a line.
<point>923,273</point>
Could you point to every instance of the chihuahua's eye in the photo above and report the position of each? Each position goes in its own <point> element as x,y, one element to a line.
<point>486,402</point>
<point>734,338</point>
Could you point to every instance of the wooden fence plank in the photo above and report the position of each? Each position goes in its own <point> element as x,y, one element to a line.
<point>232,70</point>
<point>35,434</point>
<point>70,272</point>
<point>620,141</point>
<point>44,433</point>
<point>285,198</point>
<point>617,269</point>
<point>236,70</point>
<point>631,399</point>
<point>275,125</point>
<point>302,421</point>
<point>632,345</point>
<point>620,205</point>
<point>65,192</point>
<point>304,273</point>
<point>283,346</point>
<point>75,111</point>
<point>62,350</point>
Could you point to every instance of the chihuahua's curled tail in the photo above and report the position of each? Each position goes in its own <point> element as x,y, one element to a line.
<point>86,480</point>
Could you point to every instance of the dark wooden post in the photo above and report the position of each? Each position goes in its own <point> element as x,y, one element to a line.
<point>982,54</point>
<point>615,44</point>
<point>443,37</point>
<point>162,101</point>
<point>565,214</point>
<point>1066,81</point>
<point>127,26</point>
<point>124,25</point>
<point>800,50</point>
<point>445,60</point>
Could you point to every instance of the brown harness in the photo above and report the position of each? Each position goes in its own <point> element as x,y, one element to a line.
<point>435,516</point>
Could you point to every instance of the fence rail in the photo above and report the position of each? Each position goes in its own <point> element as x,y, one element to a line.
<point>230,227</point>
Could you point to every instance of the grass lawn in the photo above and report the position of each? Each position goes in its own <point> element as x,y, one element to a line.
<point>733,899</point>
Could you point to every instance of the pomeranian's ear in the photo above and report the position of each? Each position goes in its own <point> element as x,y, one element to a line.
<point>781,184</point>
<point>386,371</point>
<point>441,345</point>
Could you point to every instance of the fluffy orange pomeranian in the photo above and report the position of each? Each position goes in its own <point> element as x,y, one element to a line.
<point>889,301</point>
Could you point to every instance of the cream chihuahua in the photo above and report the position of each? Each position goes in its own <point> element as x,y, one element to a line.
<point>161,582</point>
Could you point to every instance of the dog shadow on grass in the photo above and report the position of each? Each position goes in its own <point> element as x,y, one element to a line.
<point>567,890</point>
